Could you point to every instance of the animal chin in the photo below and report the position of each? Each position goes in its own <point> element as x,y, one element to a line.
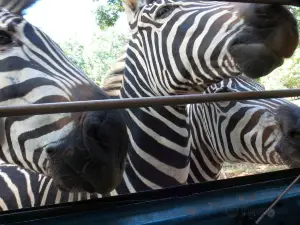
<point>290,160</point>
<point>71,164</point>
<point>86,188</point>
<point>78,184</point>
<point>295,161</point>
<point>66,178</point>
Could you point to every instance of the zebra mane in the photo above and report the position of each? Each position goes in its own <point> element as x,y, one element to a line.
<point>18,7</point>
<point>252,82</point>
<point>28,5</point>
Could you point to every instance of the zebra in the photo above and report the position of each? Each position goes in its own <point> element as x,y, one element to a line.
<point>81,151</point>
<point>22,188</point>
<point>132,179</point>
<point>252,131</point>
<point>237,30</point>
<point>210,123</point>
<point>178,47</point>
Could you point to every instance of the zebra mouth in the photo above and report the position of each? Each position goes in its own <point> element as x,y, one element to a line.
<point>289,154</point>
<point>90,158</point>
<point>82,178</point>
<point>290,161</point>
<point>65,177</point>
<point>288,146</point>
<point>84,186</point>
<point>247,57</point>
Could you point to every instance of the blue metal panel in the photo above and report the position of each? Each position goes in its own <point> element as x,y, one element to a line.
<point>226,204</point>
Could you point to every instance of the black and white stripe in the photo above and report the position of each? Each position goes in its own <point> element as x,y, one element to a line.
<point>221,131</point>
<point>21,188</point>
<point>159,149</point>
<point>233,131</point>
<point>44,75</point>
<point>34,70</point>
<point>175,47</point>
<point>211,125</point>
<point>114,78</point>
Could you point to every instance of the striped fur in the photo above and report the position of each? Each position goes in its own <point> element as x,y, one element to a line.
<point>114,78</point>
<point>235,131</point>
<point>207,143</point>
<point>211,147</point>
<point>21,188</point>
<point>34,69</point>
<point>177,47</point>
<point>220,131</point>
<point>159,151</point>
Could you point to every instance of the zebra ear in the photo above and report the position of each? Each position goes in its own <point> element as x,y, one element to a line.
<point>132,7</point>
<point>17,7</point>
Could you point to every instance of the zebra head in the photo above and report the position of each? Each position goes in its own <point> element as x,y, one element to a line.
<point>187,44</point>
<point>288,117</point>
<point>80,151</point>
<point>260,131</point>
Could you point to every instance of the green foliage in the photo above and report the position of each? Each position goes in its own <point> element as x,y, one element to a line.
<point>291,71</point>
<point>286,76</point>
<point>96,56</point>
<point>107,15</point>
<point>74,50</point>
<point>290,81</point>
<point>296,13</point>
<point>259,80</point>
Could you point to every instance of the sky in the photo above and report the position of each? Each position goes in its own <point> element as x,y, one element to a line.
<point>61,19</point>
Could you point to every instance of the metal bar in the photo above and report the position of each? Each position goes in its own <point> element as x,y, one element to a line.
<point>96,105</point>
<point>280,2</point>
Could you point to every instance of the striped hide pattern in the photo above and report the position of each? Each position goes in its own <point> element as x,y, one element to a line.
<point>80,151</point>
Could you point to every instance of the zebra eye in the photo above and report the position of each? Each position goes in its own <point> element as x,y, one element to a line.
<point>5,38</point>
<point>165,11</point>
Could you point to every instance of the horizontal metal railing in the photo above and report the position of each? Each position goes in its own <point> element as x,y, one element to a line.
<point>96,105</point>
<point>280,2</point>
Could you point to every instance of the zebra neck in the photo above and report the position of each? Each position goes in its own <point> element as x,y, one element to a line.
<point>159,148</point>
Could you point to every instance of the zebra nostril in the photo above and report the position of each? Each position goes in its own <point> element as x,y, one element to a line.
<point>50,150</point>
